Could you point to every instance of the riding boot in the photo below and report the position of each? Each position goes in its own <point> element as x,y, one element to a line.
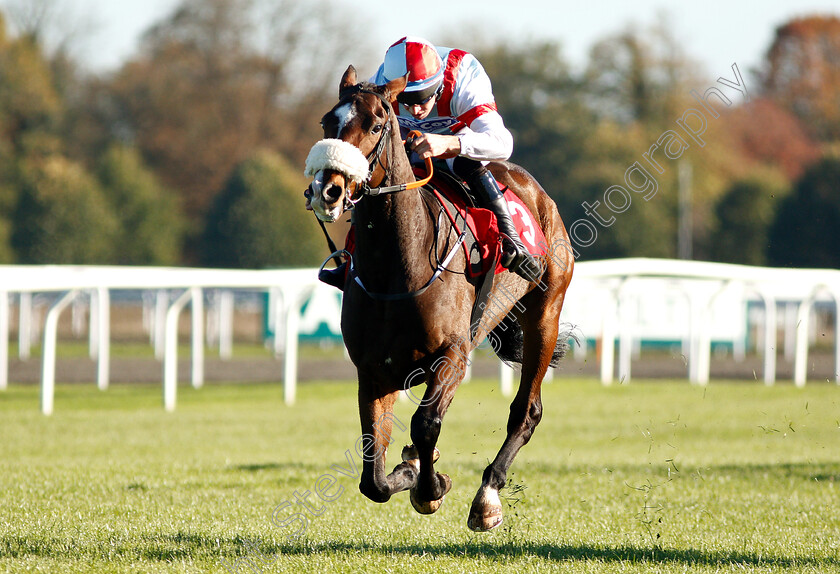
<point>334,277</point>
<point>515,256</point>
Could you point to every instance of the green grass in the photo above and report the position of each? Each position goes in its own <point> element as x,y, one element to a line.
<point>648,477</point>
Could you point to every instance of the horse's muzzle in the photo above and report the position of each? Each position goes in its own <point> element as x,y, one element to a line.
<point>324,196</point>
<point>332,193</point>
<point>307,195</point>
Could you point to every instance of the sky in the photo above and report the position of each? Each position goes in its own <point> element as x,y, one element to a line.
<point>717,33</point>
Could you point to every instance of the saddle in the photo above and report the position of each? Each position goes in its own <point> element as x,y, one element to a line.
<point>482,246</point>
<point>482,242</point>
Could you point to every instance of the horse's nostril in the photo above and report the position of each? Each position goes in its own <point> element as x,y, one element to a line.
<point>332,193</point>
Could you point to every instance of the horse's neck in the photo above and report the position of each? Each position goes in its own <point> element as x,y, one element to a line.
<point>393,231</point>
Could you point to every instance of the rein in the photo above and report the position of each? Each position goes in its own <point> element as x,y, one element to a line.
<point>374,158</point>
<point>441,267</point>
<point>374,191</point>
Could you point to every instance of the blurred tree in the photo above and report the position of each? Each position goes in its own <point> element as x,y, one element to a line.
<point>298,34</point>
<point>764,132</point>
<point>213,82</point>
<point>30,108</point>
<point>646,228</point>
<point>258,220</point>
<point>57,26</point>
<point>220,78</point>
<point>191,105</point>
<point>49,88</point>
<point>579,138</point>
<point>806,230</point>
<point>744,214</point>
<point>30,111</point>
<point>640,75</point>
<point>150,229</point>
<point>544,109</point>
<point>802,72</point>
<point>90,125</point>
<point>62,216</point>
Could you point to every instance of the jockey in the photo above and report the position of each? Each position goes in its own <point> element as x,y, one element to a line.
<point>452,105</point>
<point>449,100</point>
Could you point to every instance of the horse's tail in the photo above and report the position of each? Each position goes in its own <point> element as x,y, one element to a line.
<point>507,341</point>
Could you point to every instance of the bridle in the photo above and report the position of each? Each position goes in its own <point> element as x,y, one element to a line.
<point>363,189</point>
<point>375,157</point>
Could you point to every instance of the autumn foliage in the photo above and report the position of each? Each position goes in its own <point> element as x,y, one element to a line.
<point>803,73</point>
<point>191,152</point>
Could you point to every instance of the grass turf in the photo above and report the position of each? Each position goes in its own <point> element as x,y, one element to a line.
<point>647,477</point>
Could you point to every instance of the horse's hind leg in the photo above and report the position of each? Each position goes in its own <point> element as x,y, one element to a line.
<point>525,414</point>
<point>378,420</point>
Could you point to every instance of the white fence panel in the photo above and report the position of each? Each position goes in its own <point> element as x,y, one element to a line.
<point>624,300</point>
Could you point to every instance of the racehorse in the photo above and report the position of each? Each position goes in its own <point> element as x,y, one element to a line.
<point>401,328</point>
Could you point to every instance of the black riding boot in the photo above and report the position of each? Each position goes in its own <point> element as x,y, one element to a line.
<point>334,277</point>
<point>515,256</point>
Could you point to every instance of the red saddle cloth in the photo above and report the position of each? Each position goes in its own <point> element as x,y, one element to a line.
<point>481,224</point>
<point>484,228</point>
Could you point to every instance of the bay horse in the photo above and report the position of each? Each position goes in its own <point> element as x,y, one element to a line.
<point>402,329</point>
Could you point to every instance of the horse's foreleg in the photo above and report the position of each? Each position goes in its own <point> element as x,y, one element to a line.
<point>445,376</point>
<point>525,414</point>
<point>378,421</point>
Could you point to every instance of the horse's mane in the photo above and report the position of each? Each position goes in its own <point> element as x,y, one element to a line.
<point>361,86</point>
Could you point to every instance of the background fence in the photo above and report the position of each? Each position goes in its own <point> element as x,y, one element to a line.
<point>620,305</point>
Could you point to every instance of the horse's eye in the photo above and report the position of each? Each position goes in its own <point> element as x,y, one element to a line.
<point>376,129</point>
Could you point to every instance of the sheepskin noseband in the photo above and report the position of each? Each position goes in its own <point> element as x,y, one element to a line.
<point>340,156</point>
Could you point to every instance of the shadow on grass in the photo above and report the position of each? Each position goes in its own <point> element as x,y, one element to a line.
<point>814,473</point>
<point>242,550</point>
<point>297,469</point>
<point>810,472</point>
<point>268,553</point>
<point>264,466</point>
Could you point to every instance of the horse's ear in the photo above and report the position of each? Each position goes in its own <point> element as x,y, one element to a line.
<point>395,87</point>
<point>348,80</point>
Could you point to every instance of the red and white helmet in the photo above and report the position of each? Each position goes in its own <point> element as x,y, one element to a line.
<point>419,59</point>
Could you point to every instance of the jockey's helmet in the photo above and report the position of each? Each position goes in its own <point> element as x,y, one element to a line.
<point>419,59</point>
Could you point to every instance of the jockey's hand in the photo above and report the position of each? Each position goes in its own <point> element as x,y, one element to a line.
<point>436,145</point>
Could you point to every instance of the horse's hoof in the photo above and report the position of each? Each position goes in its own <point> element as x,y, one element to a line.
<point>412,456</point>
<point>486,510</point>
<point>431,506</point>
